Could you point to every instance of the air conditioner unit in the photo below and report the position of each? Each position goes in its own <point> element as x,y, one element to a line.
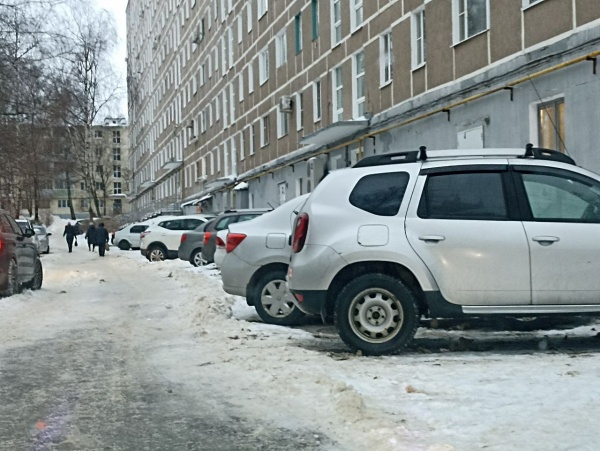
<point>286,105</point>
<point>315,171</point>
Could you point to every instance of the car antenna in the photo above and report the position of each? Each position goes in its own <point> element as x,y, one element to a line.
<point>423,153</point>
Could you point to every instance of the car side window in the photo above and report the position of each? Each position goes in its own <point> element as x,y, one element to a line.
<point>5,226</point>
<point>464,196</point>
<point>16,229</point>
<point>558,198</point>
<point>191,224</point>
<point>224,223</point>
<point>175,224</point>
<point>138,229</point>
<point>380,194</point>
<point>247,217</point>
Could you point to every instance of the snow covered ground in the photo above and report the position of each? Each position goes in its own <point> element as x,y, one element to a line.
<point>455,389</point>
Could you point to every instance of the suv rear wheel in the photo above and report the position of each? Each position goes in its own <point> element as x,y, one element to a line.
<point>273,301</point>
<point>196,258</point>
<point>156,254</point>
<point>376,314</point>
<point>38,276</point>
<point>124,245</point>
<point>12,286</point>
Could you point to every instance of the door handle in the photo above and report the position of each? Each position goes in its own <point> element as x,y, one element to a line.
<point>545,240</point>
<point>432,238</point>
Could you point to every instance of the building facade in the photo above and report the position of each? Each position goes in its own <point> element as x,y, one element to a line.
<point>250,103</point>
<point>109,155</point>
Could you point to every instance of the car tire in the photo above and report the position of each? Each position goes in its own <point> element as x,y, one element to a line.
<point>38,276</point>
<point>376,314</point>
<point>124,245</point>
<point>196,258</point>
<point>273,301</point>
<point>156,253</point>
<point>12,286</point>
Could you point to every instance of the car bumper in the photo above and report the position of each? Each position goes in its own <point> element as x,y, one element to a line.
<point>236,274</point>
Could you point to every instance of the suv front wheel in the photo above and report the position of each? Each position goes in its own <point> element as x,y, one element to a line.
<point>376,314</point>
<point>156,253</point>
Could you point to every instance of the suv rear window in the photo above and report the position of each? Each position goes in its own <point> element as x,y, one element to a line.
<point>464,196</point>
<point>380,194</point>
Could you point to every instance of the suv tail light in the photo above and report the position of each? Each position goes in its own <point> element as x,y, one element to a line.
<point>143,234</point>
<point>220,242</point>
<point>300,231</point>
<point>206,238</point>
<point>233,240</point>
<point>183,238</point>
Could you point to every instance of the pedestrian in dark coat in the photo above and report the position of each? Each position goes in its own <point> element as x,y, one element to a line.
<point>90,236</point>
<point>101,239</point>
<point>69,233</point>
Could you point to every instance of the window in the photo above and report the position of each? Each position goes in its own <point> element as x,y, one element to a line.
<point>241,86</point>
<point>559,197</point>
<point>97,133</point>
<point>250,78</point>
<point>263,7</point>
<point>316,101</point>
<point>231,48</point>
<point>202,74</point>
<point>63,203</point>
<point>299,111</point>
<point>116,137</point>
<point>386,59</point>
<point>203,121</point>
<point>418,39</point>
<point>338,94</point>
<point>117,188</point>
<point>358,94</point>
<point>263,66</point>
<point>249,16</point>
<point>240,29</point>
<point>242,146</point>
<point>380,194</point>
<point>251,139</point>
<point>116,171</point>
<point>551,125</point>
<point>470,17</point>
<point>264,130</point>
<point>283,123</point>
<point>280,49</point>
<point>464,196</point>
<point>356,14</point>
<point>336,22</point>
<point>116,154</point>
<point>314,8</point>
<point>528,3</point>
<point>298,32</point>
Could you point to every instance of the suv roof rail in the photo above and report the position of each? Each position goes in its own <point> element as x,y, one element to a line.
<point>412,156</point>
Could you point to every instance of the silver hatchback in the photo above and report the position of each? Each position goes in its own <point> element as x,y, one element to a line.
<point>42,240</point>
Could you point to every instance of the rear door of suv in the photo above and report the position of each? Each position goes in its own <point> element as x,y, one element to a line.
<point>464,224</point>
<point>561,216</point>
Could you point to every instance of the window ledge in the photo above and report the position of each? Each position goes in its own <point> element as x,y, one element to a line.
<point>385,85</point>
<point>456,44</point>
<point>525,8</point>
<point>420,66</point>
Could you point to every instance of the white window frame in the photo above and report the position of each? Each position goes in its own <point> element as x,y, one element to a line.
<point>457,18</point>
<point>203,121</point>
<point>418,49</point>
<point>356,15</point>
<point>251,138</point>
<point>265,123</point>
<point>386,59</point>
<point>528,3</point>
<point>262,8</point>
<point>241,86</point>
<point>336,25</point>
<point>358,102</point>
<point>232,102</point>
<point>281,49</point>
<point>263,66</point>
<point>249,19</point>
<point>251,77</point>
<point>240,29</point>
<point>242,146</point>
<point>337,91</point>
<point>231,49</point>
<point>317,94</point>
<point>283,124</point>
<point>299,110</point>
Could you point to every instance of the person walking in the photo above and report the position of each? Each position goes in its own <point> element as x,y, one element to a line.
<point>101,239</point>
<point>69,233</point>
<point>90,236</point>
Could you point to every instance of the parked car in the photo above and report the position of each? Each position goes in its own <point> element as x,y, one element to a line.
<point>220,247</point>
<point>222,222</point>
<point>190,245</point>
<point>256,262</point>
<point>42,239</point>
<point>20,264</point>
<point>160,241</point>
<point>447,234</point>
<point>128,237</point>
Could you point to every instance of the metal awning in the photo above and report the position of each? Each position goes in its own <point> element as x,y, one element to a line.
<point>335,132</point>
<point>172,164</point>
<point>147,184</point>
<point>208,196</point>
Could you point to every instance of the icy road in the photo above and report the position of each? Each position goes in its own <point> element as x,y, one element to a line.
<point>117,353</point>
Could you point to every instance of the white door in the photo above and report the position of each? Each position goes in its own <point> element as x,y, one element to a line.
<point>564,235</point>
<point>463,232</point>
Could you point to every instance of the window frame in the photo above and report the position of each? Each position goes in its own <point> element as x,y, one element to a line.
<point>337,90</point>
<point>265,130</point>
<point>386,59</point>
<point>456,18</point>
<point>314,12</point>
<point>263,66</point>
<point>358,102</point>
<point>317,94</point>
<point>281,48</point>
<point>356,9</point>
<point>417,40</point>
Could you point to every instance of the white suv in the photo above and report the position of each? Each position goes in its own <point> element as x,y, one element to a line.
<point>447,234</point>
<point>160,241</point>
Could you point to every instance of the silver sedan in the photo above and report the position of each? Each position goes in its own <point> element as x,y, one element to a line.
<point>41,239</point>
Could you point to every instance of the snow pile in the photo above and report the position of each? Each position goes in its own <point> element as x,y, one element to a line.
<point>58,225</point>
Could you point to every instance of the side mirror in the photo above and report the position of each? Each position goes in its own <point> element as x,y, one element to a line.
<point>29,233</point>
<point>48,234</point>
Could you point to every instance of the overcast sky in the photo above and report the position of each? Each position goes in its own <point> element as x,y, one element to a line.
<point>117,8</point>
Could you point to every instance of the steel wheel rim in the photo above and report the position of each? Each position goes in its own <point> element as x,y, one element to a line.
<point>376,315</point>
<point>276,299</point>
<point>156,255</point>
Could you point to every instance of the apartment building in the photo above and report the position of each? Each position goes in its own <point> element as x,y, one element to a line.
<point>251,103</point>
<point>110,175</point>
